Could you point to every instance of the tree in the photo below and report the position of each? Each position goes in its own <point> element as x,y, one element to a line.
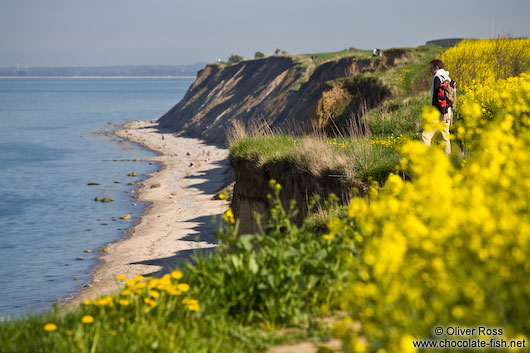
<point>234,59</point>
<point>258,55</point>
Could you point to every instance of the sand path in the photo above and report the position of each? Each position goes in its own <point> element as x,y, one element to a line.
<point>178,221</point>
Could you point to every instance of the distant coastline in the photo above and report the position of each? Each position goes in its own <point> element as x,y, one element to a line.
<point>150,71</point>
<point>93,77</point>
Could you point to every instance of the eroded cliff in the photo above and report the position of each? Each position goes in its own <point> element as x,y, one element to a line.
<point>286,92</point>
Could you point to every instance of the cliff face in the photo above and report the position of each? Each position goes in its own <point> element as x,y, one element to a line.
<point>252,89</point>
<point>262,90</point>
<point>252,186</point>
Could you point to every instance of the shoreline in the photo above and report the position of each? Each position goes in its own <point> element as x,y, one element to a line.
<point>177,219</point>
<point>93,77</point>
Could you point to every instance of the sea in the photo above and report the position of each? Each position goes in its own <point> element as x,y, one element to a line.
<point>56,139</point>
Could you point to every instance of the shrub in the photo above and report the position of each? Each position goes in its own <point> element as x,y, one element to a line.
<point>234,59</point>
<point>276,276</point>
<point>487,60</point>
<point>258,55</point>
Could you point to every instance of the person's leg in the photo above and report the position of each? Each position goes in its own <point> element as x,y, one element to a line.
<point>426,136</point>
<point>445,132</point>
<point>447,141</point>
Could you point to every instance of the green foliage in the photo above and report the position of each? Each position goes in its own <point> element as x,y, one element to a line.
<point>234,59</point>
<point>377,164</point>
<point>357,95</point>
<point>263,149</point>
<point>398,117</point>
<point>340,54</point>
<point>277,276</point>
<point>258,55</point>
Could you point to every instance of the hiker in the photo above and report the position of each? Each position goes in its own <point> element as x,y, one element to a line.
<point>439,99</point>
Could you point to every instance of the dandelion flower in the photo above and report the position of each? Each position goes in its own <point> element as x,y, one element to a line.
<point>87,319</point>
<point>229,216</point>
<point>193,306</point>
<point>124,302</point>
<point>176,274</point>
<point>50,327</point>
<point>120,277</point>
<point>183,287</point>
<point>108,300</point>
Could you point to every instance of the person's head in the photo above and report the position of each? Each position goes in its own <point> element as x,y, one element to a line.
<point>436,64</point>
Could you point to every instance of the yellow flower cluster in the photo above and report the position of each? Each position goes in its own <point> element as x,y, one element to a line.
<point>142,294</point>
<point>390,142</point>
<point>334,143</point>
<point>228,216</point>
<point>451,246</point>
<point>481,103</point>
<point>487,60</point>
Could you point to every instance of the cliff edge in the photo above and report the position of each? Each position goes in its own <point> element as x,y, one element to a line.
<point>284,91</point>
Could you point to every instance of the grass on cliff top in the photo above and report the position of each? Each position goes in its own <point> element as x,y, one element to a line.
<point>411,76</point>
<point>354,158</point>
<point>362,54</point>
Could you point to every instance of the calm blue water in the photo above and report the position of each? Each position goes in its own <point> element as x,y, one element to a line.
<point>48,155</point>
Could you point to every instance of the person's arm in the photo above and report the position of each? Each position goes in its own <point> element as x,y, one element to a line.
<point>436,89</point>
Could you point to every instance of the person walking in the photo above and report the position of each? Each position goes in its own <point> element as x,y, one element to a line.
<point>439,100</point>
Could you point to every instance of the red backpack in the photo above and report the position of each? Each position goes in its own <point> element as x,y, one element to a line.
<point>446,94</point>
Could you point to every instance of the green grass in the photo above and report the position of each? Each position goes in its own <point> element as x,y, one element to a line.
<point>412,75</point>
<point>364,54</point>
<point>356,158</point>
<point>398,116</point>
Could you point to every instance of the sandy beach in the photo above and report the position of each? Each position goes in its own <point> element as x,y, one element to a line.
<point>178,220</point>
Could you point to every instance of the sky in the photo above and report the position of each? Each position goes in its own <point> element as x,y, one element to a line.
<point>178,32</point>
